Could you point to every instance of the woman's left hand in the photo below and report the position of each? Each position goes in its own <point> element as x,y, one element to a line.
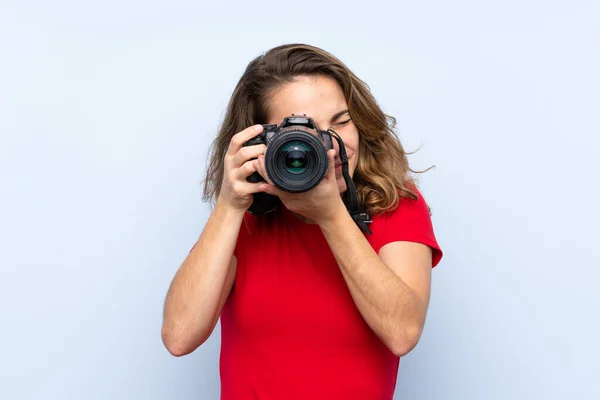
<point>321,203</point>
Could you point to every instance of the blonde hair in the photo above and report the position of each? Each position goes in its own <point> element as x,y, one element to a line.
<point>382,175</point>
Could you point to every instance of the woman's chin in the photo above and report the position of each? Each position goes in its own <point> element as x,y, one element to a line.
<point>341,184</point>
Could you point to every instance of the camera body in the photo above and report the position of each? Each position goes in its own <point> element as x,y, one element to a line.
<point>295,160</point>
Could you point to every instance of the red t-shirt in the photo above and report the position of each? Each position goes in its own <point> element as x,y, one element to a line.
<point>290,328</point>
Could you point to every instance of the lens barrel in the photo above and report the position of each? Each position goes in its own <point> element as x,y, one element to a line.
<point>296,161</point>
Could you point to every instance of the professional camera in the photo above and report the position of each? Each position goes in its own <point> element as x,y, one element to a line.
<point>296,161</point>
<point>296,158</point>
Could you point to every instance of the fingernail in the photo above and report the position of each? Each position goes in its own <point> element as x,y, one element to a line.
<point>257,127</point>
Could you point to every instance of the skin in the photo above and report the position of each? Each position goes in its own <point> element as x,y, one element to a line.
<point>391,289</point>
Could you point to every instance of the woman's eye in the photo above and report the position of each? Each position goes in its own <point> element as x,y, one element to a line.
<point>343,122</point>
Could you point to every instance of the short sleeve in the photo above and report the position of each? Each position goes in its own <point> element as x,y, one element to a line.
<point>411,222</point>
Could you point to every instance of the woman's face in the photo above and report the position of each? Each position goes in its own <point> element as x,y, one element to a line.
<point>320,98</point>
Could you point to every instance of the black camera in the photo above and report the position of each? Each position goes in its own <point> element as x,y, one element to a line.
<point>296,158</point>
<point>296,161</point>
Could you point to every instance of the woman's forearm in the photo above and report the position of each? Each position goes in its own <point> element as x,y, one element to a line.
<point>392,310</point>
<point>202,283</point>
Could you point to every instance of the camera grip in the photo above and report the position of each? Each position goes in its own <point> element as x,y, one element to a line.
<point>263,203</point>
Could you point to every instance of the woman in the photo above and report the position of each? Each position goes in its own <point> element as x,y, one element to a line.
<point>311,307</point>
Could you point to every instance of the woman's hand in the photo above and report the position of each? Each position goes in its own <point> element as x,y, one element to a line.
<point>320,204</point>
<point>236,192</point>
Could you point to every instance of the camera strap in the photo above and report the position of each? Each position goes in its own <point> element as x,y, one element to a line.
<point>360,216</point>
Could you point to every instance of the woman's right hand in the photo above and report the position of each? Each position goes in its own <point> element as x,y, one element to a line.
<point>236,192</point>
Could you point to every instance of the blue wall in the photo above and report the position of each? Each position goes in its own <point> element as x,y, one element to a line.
<point>106,114</point>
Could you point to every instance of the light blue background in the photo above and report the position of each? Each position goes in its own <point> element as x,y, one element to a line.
<point>106,113</point>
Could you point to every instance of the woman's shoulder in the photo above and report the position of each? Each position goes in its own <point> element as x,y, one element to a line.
<point>409,205</point>
<point>410,220</point>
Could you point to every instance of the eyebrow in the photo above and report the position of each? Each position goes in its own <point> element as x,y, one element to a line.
<point>339,114</point>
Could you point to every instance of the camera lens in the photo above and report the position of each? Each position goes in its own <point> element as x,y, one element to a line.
<point>296,159</point>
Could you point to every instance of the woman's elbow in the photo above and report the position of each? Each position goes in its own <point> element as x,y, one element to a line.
<point>179,344</point>
<point>405,342</point>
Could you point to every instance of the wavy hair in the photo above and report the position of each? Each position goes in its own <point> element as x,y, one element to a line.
<point>382,176</point>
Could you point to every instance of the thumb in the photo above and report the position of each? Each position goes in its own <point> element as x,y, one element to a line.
<point>331,154</point>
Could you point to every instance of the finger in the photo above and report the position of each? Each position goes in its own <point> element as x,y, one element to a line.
<point>331,155</point>
<point>260,167</point>
<point>271,189</point>
<point>243,188</point>
<point>254,187</point>
<point>268,186</point>
<point>247,153</point>
<point>238,140</point>
<point>247,169</point>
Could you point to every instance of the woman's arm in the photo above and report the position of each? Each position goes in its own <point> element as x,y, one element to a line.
<point>202,284</point>
<point>391,290</point>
